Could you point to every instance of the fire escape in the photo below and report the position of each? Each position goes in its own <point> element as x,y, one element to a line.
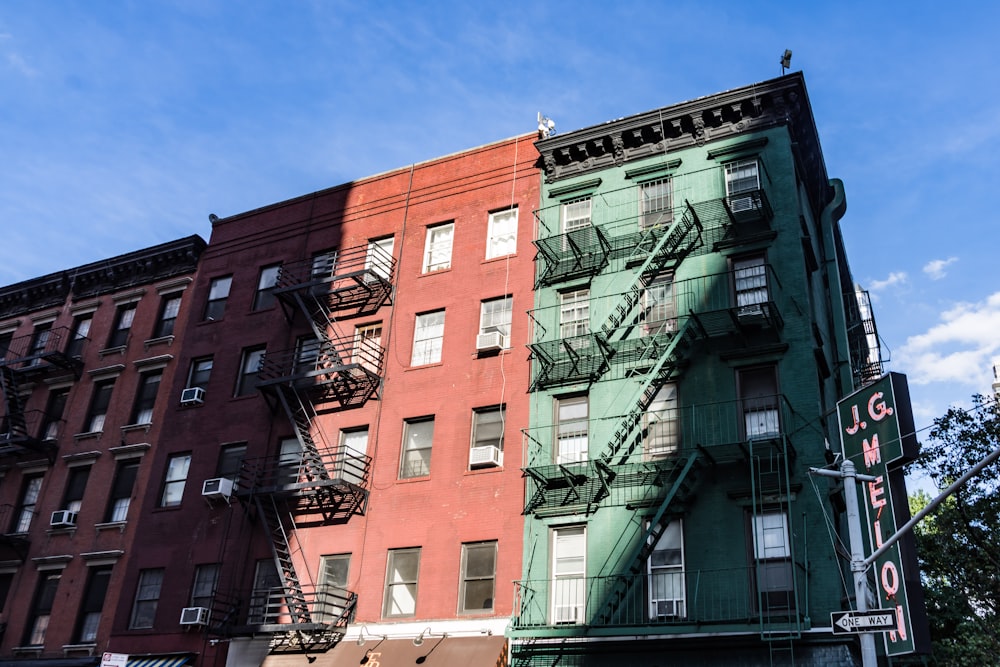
<point>735,309</point>
<point>319,484</point>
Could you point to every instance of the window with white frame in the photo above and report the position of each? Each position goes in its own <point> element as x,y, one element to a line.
<point>331,602</point>
<point>574,313</point>
<point>402,571</point>
<point>569,572</point>
<point>368,346</point>
<point>655,203</point>
<point>428,337</point>
<point>378,257</point>
<point>758,393</point>
<point>502,233</point>
<point>662,423</point>
<point>418,438</point>
<point>476,592</point>
<point>750,284</point>
<point>659,308</point>
<point>175,480</point>
<point>773,557</point>
<point>495,316</point>
<point>575,215</point>
<point>572,414</point>
<point>665,568</point>
<point>488,425</point>
<point>354,445</point>
<point>742,180</point>
<point>437,248</point>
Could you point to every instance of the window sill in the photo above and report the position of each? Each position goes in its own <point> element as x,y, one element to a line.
<point>62,531</point>
<point>162,340</point>
<point>485,470</point>
<point>111,525</point>
<point>431,365</point>
<point>118,349</point>
<point>89,435</point>
<point>27,651</point>
<point>128,428</point>
<point>434,272</point>
<point>499,258</point>
<point>78,649</point>
<point>411,480</point>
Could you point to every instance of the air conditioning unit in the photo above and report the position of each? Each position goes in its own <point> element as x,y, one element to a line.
<point>193,396</point>
<point>567,614</point>
<point>63,519</point>
<point>194,616</point>
<point>217,488</point>
<point>485,457</point>
<point>753,311</point>
<point>489,341</point>
<point>662,609</point>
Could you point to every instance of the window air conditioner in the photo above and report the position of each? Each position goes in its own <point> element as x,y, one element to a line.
<point>665,608</point>
<point>194,616</point>
<point>567,614</point>
<point>489,341</point>
<point>753,311</point>
<point>63,519</point>
<point>193,396</point>
<point>217,488</point>
<point>485,457</point>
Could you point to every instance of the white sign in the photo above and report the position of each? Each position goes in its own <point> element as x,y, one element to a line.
<point>877,620</point>
<point>114,660</point>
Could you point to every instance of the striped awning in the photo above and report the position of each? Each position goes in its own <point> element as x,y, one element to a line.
<point>158,660</point>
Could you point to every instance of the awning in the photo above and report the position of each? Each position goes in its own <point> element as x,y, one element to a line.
<point>158,660</point>
<point>487,651</point>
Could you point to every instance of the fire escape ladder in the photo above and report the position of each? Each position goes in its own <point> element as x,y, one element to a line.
<point>295,599</point>
<point>16,425</point>
<point>635,561</point>
<point>623,443</point>
<point>301,415</point>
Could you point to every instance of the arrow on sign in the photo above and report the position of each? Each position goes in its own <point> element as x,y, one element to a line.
<point>877,620</point>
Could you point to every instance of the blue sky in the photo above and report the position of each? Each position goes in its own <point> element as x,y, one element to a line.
<point>124,124</point>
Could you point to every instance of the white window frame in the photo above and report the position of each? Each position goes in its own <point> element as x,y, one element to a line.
<point>568,601</point>
<point>576,214</point>
<point>656,202</point>
<point>665,569</point>
<point>438,247</point>
<point>661,423</point>
<point>354,445</point>
<point>400,598</point>
<point>572,429</point>
<point>428,338</point>
<point>659,307</point>
<point>501,235</point>
<point>418,445</point>
<point>574,313</point>
<point>334,571</point>
<point>175,479</point>
<point>368,346</point>
<point>378,257</point>
<point>496,315</point>
<point>742,176</point>
<point>772,552</point>
<point>750,284</point>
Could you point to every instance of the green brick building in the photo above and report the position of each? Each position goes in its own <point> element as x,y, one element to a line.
<point>695,322</point>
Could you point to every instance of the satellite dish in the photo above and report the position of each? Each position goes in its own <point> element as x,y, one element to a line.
<point>546,126</point>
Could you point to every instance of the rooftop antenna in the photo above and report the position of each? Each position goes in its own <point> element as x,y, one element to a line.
<point>546,126</point>
<point>786,60</point>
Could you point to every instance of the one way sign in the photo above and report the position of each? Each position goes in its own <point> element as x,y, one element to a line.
<point>850,622</point>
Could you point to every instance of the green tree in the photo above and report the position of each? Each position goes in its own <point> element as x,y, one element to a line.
<point>959,544</point>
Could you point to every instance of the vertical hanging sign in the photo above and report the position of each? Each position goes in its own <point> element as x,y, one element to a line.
<point>876,432</point>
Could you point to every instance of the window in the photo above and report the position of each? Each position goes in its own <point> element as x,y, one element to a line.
<point>6,579</point>
<point>40,340</point>
<point>267,596</point>
<point>495,315</point>
<point>659,310</point>
<point>100,401</point>
<point>354,445</point>
<point>368,347</point>
<point>147,595</point>
<point>501,233</point>
<point>264,298</point>
<point>478,577</point>
<point>231,461</point>
<point>665,569</point>
<point>656,204</point>
<point>31,488</point>
<point>488,427</point>
<point>758,391</point>
<point>742,177</point>
<point>122,326</point>
<point>307,354</point>
<point>333,595</point>
<point>428,336</point>
<point>575,214</point>
<point>76,484</point>
<point>249,369</point>
<point>661,428</point>
<point>121,491</point>
<point>323,265</point>
<point>81,330</point>
<point>571,429</point>
<point>93,603</point>
<point>41,608</point>
<point>574,313</point>
<point>401,582</point>
<point>378,258</point>
<point>289,461</point>
<point>174,480</point>
<point>145,398</point>
<point>773,557</point>
<point>206,578</point>
<point>437,250</point>
<point>170,305</point>
<point>53,417</point>
<point>750,283</point>
<point>200,372</point>
<point>5,340</point>
<point>218,294</point>
<point>418,435</point>
<point>569,571</point>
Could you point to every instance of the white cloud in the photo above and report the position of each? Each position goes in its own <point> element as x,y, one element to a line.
<point>895,278</point>
<point>935,269</point>
<point>19,63</point>
<point>959,349</point>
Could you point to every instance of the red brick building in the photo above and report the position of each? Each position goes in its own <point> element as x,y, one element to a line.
<point>342,452</point>
<point>82,355</point>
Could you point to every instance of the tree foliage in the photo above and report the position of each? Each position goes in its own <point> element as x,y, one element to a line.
<point>959,544</point>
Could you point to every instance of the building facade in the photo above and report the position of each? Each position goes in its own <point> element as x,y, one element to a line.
<point>83,353</point>
<point>694,324</point>
<point>343,458</point>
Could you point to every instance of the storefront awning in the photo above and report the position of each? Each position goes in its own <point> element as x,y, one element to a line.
<point>434,652</point>
<point>158,660</point>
